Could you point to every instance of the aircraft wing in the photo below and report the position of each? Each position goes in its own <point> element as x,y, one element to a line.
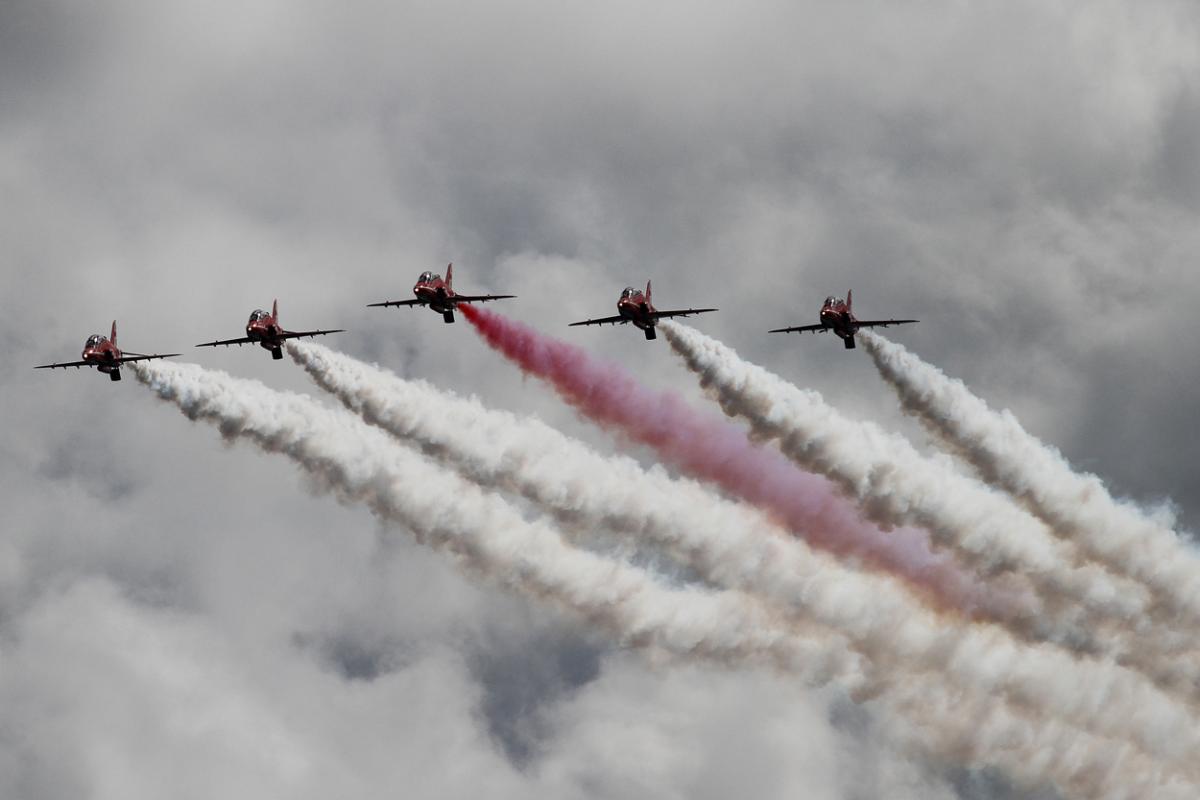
<point>226,342</point>
<point>818,328</point>
<point>63,365</point>
<point>303,334</point>
<point>125,359</point>
<point>480,298</point>
<point>617,320</point>
<point>882,323</point>
<point>681,312</point>
<point>413,302</point>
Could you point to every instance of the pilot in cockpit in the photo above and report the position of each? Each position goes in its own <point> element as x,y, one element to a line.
<point>94,340</point>
<point>426,277</point>
<point>258,315</point>
<point>628,293</point>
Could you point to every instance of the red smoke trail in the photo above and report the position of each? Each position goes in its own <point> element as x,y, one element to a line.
<point>707,447</point>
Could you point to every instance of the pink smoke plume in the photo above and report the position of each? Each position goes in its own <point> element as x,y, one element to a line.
<point>709,448</point>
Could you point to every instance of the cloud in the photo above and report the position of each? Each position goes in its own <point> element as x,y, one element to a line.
<point>1017,177</point>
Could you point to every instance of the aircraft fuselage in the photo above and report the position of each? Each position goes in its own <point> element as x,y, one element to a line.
<point>637,309</point>
<point>436,294</point>
<point>102,354</point>
<point>265,331</point>
<point>840,321</point>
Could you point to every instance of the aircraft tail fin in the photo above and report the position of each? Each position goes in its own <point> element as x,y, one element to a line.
<point>113,336</point>
<point>450,275</point>
<point>275,310</point>
<point>850,300</point>
<point>648,293</point>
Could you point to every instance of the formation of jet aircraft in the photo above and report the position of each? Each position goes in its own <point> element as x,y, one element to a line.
<point>437,293</point>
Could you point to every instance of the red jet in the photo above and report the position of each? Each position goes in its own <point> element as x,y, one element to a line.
<point>264,329</point>
<point>635,307</point>
<point>836,316</point>
<point>438,294</point>
<point>104,355</point>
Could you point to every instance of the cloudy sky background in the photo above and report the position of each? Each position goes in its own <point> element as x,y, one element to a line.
<point>178,617</point>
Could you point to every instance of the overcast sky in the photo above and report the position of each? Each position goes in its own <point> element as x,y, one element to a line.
<point>183,618</point>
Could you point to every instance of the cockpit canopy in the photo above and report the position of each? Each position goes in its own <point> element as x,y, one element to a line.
<point>426,277</point>
<point>629,292</point>
<point>258,315</point>
<point>94,340</point>
<point>832,301</point>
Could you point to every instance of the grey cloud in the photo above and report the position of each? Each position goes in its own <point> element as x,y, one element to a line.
<point>1177,172</point>
<point>1018,177</point>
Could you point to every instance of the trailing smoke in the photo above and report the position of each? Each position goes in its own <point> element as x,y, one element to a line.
<point>361,464</point>
<point>1076,507</point>
<point>485,534</point>
<point>1086,606</point>
<point>710,449</point>
<point>737,548</point>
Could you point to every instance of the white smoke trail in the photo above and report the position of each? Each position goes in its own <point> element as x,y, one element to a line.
<point>1089,607</point>
<point>361,464</point>
<point>1076,506</point>
<point>736,547</point>
<point>444,512</point>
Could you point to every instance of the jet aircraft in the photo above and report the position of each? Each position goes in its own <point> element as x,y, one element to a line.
<point>103,354</point>
<point>438,293</point>
<point>635,306</point>
<point>264,329</point>
<point>837,316</point>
